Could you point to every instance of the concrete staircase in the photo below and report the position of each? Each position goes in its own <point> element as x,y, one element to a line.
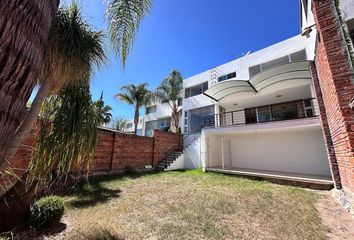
<point>169,160</point>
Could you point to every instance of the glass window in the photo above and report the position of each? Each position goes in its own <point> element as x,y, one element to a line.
<point>284,111</point>
<point>179,102</point>
<point>227,76</point>
<point>196,90</point>
<point>151,109</point>
<point>275,62</point>
<point>263,114</point>
<point>150,126</point>
<point>251,115</point>
<point>298,56</point>
<point>205,86</point>
<point>254,70</point>
<point>187,93</point>
<point>129,125</point>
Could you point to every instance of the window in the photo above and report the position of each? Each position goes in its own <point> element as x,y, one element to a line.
<point>129,125</point>
<point>285,111</point>
<point>196,90</point>
<point>263,114</point>
<point>227,77</point>
<point>255,70</point>
<point>179,102</point>
<point>297,56</point>
<point>351,34</point>
<point>251,115</point>
<point>151,109</point>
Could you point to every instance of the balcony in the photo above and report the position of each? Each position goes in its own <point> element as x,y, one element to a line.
<point>290,110</point>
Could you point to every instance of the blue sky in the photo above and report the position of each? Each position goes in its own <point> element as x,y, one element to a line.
<point>191,36</point>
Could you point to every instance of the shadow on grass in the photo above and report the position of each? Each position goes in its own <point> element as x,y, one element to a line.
<point>92,192</point>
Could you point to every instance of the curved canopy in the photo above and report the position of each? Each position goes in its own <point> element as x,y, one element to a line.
<point>280,73</point>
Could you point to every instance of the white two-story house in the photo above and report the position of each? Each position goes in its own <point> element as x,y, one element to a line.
<point>256,115</point>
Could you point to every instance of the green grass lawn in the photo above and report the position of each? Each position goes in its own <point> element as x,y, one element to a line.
<point>189,205</point>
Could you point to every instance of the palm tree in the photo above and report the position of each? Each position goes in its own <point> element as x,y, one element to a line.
<point>73,48</point>
<point>23,48</point>
<point>103,112</point>
<point>169,92</point>
<point>24,25</point>
<point>137,95</point>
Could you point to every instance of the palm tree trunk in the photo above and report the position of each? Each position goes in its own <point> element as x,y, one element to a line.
<point>15,203</point>
<point>136,119</point>
<point>175,119</point>
<point>24,28</point>
<point>28,123</point>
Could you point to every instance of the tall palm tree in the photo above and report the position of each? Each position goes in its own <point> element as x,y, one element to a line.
<point>103,112</point>
<point>72,51</point>
<point>22,49</point>
<point>137,95</point>
<point>169,91</point>
<point>24,25</point>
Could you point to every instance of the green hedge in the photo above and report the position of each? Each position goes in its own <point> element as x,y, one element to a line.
<point>46,211</point>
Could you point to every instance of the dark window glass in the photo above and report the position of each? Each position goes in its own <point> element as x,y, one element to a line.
<point>151,109</point>
<point>298,56</point>
<point>179,102</point>
<point>187,93</point>
<point>275,62</point>
<point>205,86</point>
<point>251,115</point>
<point>196,90</point>
<point>227,76</point>
<point>284,111</point>
<point>254,70</point>
<point>263,114</point>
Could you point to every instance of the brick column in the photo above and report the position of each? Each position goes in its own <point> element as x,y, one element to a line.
<point>335,77</point>
<point>325,128</point>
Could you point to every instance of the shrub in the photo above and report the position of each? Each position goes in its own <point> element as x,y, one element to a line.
<point>46,211</point>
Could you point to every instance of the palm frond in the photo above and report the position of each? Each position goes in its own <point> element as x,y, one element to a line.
<point>124,19</point>
<point>73,48</point>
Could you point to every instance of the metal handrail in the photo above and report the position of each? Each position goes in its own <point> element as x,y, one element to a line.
<point>168,153</point>
<point>194,130</point>
<point>224,115</point>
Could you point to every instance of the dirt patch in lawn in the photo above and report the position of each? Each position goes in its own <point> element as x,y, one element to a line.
<point>339,222</point>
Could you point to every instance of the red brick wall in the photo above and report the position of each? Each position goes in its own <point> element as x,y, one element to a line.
<point>163,143</point>
<point>336,84</point>
<point>114,151</point>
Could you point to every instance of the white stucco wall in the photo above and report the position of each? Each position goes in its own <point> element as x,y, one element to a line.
<point>299,150</point>
<point>192,155</point>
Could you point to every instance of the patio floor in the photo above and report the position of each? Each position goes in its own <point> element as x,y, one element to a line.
<point>311,181</point>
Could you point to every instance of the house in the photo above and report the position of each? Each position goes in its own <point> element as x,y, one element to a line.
<point>129,128</point>
<point>259,115</point>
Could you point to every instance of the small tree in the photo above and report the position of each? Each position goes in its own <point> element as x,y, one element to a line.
<point>169,92</point>
<point>137,95</point>
<point>67,134</point>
